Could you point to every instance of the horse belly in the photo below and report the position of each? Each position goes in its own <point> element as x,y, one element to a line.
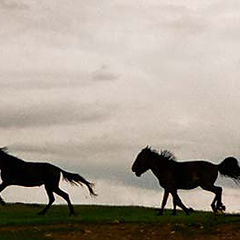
<point>27,182</point>
<point>23,178</point>
<point>188,181</point>
<point>36,183</point>
<point>188,186</point>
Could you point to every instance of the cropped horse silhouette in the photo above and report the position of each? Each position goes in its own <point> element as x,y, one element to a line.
<point>15,171</point>
<point>173,175</point>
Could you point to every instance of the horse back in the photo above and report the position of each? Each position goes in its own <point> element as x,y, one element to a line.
<point>30,173</point>
<point>195,173</point>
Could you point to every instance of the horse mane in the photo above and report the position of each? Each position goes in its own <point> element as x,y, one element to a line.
<point>164,155</point>
<point>167,155</point>
<point>7,156</point>
<point>4,149</point>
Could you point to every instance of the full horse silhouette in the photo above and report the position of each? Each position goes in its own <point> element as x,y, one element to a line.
<point>173,175</point>
<point>15,171</point>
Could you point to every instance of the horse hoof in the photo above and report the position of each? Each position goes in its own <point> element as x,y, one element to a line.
<point>191,210</point>
<point>219,212</point>
<point>223,208</point>
<point>3,203</point>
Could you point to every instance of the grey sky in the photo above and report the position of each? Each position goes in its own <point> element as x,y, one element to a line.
<point>87,85</point>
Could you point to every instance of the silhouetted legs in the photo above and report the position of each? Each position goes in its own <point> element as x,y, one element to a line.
<point>51,200</point>
<point>174,212</point>
<point>217,201</point>
<point>164,201</point>
<point>2,187</point>
<point>190,210</point>
<point>177,202</point>
<point>64,195</point>
<point>59,192</point>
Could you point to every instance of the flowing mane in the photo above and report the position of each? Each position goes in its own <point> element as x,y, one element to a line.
<point>164,154</point>
<point>4,149</point>
<point>6,156</point>
<point>167,155</point>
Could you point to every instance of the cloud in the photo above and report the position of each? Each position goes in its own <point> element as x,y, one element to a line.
<point>13,5</point>
<point>87,85</point>
<point>103,74</point>
<point>42,81</point>
<point>50,114</point>
<point>98,159</point>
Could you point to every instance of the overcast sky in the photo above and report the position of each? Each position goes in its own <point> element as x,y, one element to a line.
<point>87,85</point>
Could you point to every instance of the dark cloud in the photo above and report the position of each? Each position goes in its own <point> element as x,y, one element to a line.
<point>13,5</point>
<point>44,81</point>
<point>99,161</point>
<point>103,74</point>
<point>45,115</point>
<point>96,160</point>
<point>54,80</point>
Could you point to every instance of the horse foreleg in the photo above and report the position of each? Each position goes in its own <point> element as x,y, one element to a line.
<point>164,201</point>
<point>51,200</point>
<point>174,212</point>
<point>2,187</point>
<point>177,202</point>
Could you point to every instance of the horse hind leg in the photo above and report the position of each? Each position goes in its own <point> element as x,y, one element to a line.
<point>65,196</point>
<point>217,201</point>
<point>220,205</point>
<point>51,200</point>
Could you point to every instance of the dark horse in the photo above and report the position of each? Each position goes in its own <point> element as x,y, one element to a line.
<point>173,175</point>
<point>15,171</point>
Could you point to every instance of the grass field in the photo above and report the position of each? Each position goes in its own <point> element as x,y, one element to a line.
<point>20,221</point>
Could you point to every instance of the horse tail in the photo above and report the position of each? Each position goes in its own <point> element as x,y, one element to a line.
<point>229,167</point>
<point>75,179</point>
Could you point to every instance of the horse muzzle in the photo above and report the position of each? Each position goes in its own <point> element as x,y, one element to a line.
<point>138,174</point>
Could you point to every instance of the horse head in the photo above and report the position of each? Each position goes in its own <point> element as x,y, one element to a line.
<point>141,164</point>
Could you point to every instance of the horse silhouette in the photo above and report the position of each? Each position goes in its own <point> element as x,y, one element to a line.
<point>15,171</point>
<point>173,175</point>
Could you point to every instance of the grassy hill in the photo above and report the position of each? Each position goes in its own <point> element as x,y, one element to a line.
<point>20,221</point>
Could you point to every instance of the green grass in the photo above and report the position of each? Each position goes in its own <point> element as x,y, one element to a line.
<point>26,214</point>
<point>36,227</point>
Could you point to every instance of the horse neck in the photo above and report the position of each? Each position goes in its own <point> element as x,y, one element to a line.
<point>3,162</point>
<point>8,160</point>
<point>159,165</point>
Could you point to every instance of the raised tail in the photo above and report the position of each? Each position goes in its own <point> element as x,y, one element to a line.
<point>76,179</point>
<point>229,167</point>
